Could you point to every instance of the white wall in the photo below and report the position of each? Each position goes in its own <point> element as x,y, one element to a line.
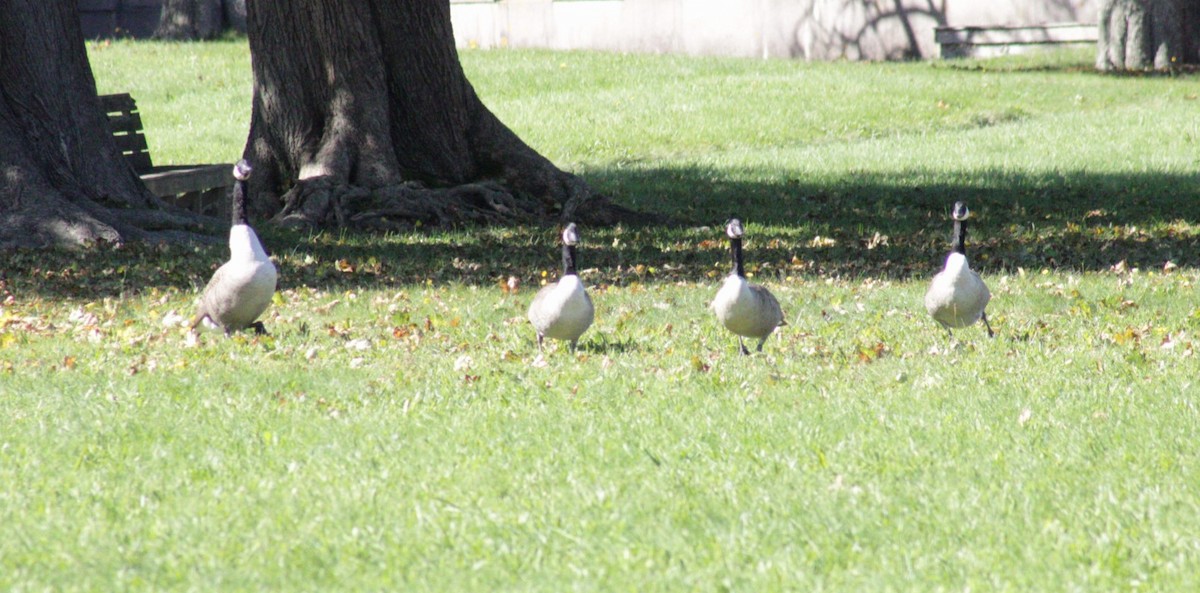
<point>808,29</point>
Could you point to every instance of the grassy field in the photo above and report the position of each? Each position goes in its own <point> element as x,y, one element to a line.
<point>398,432</point>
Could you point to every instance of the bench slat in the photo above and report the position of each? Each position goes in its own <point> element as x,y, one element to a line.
<point>1010,35</point>
<point>124,122</point>
<point>121,102</point>
<point>167,181</point>
<point>128,143</point>
<point>140,161</point>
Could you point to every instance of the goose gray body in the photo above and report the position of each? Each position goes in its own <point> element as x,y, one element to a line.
<point>957,296</point>
<point>748,310</point>
<point>242,288</point>
<point>563,310</point>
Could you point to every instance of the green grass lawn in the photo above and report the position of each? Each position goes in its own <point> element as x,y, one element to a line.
<point>397,432</point>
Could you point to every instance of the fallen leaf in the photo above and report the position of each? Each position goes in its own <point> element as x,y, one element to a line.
<point>327,306</point>
<point>173,319</point>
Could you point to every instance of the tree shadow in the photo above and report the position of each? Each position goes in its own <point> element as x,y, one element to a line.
<point>893,29</point>
<point>893,225</point>
<point>1077,61</point>
<point>863,29</point>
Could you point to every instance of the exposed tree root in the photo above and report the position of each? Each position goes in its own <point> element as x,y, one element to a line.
<point>37,215</point>
<point>322,202</point>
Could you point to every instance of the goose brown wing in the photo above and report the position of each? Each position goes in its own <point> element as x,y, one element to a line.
<point>535,313</point>
<point>770,305</point>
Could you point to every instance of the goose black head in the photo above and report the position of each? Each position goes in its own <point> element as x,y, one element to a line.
<point>960,211</point>
<point>570,238</point>
<point>570,235</point>
<point>241,172</point>
<point>733,229</point>
<point>958,239</point>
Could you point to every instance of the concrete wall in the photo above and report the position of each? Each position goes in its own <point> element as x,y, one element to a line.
<point>807,29</point>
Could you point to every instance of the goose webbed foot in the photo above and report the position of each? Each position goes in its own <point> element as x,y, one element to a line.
<point>742,346</point>
<point>259,328</point>
<point>991,334</point>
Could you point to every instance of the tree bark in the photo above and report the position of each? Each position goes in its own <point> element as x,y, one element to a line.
<point>1148,34</point>
<point>190,20</point>
<point>363,117</point>
<point>62,179</point>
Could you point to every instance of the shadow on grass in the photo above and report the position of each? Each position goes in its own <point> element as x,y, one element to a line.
<point>894,226</point>
<point>1072,60</point>
<point>601,344</point>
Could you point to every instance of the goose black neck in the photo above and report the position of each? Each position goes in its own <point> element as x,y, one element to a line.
<point>959,238</point>
<point>568,260</point>
<point>239,203</point>
<point>735,247</point>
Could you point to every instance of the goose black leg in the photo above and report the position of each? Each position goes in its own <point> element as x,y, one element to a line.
<point>760,344</point>
<point>540,338</point>
<point>259,328</point>
<point>742,345</point>
<point>991,334</point>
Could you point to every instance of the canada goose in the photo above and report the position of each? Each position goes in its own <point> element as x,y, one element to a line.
<point>746,309</point>
<point>957,296</point>
<point>563,310</point>
<point>242,287</point>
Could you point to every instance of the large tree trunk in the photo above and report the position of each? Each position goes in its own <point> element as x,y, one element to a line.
<point>190,20</point>
<point>1148,34</point>
<point>62,180</point>
<point>362,117</point>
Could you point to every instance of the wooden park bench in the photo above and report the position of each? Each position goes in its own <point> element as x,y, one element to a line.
<point>987,42</point>
<point>199,188</point>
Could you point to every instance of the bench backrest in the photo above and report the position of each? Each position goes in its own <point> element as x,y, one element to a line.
<point>125,124</point>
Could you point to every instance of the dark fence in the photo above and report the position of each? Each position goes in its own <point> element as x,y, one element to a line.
<point>119,18</point>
